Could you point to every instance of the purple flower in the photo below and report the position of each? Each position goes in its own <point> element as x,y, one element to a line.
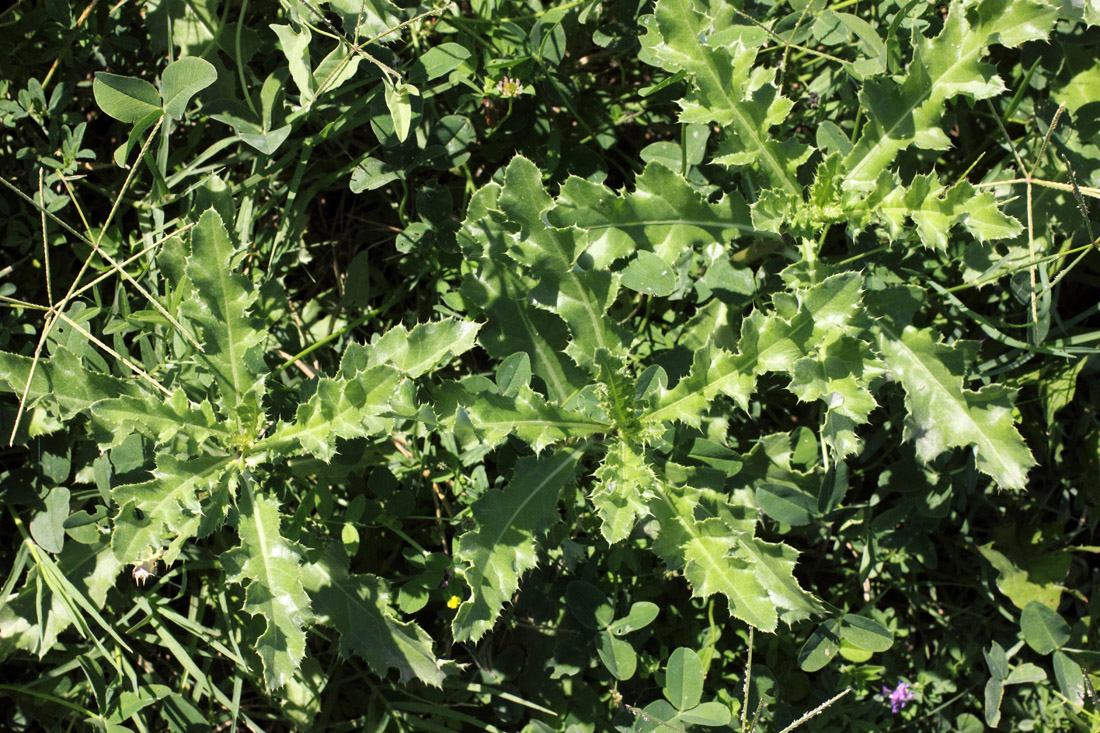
<point>509,87</point>
<point>898,696</point>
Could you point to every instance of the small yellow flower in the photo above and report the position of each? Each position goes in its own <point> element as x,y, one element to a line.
<point>453,602</point>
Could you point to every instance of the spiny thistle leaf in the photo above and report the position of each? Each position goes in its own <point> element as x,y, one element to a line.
<point>712,372</point>
<point>933,209</point>
<point>839,374</point>
<point>497,287</point>
<point>728,89</point>
<point>623,487</point>
<point>161,419</point>
<point>774,342</point>
<point>580,296</point>
<point>157,516</point>
<point>492,417</point>
<point>358,606</point>
<point>663,213</point>
<point>220,307</point>
<point>502,548</point>
<point>713,543</point>
<point>416,352</point>
<point>944,415</point>
<point>63,378</point>
<point>339,408</point>
<point>271,567</point>
<point>909,112</point>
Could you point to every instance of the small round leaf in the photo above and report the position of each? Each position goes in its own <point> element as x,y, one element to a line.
<point>123,97</point>
<point>641,615</point>
<point>684,679</point>
<point>618,656</point>
<point>182,80</point>
<point>821,647</point>
<point>712,714</point>
<point>1044,630</point>
<point>865,633</point>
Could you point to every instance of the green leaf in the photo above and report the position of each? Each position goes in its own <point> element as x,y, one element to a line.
<point>513,374</point>
<point>417,352</point>
<point>900,114</point>
<point>502,547</point>
<point>125,98</point>
<point>1044,630</point>
<point>782,492</point>
<point>182,80</point>
<point>341,407</point>
<point>157,516</point>
<point>270,567</point>
<point>729,89</point>
<point>372,173</point>
<point>32,619</point>
<point>295,46</point>
<point>868,43</point>
<point>1034,580</point>
<point>997,661</point>
<point>1025,673</point>
<point>48,526</point>
<point>61,378</point>
<point>715,455</point>
<point>832,139</point>
<point>994,692</point>
<point>944,415</point>
<point>1071,681</point>
<point>621,491</point>
<point>642,614</point>
<point>335,69</point>
<point>865,633</point>
<point>821,647</point>
<point>369,18</point>
<point>398,102</point>
<point>437,61</point>
<point>785,503</point>
<point>647,273</point>
<point>617,655</point>
<point>358,606</point>
<point>220,306</point>
<point>712,714</point>
<point>684,679</point>
<point>659,716</point>
<point>135,138</point>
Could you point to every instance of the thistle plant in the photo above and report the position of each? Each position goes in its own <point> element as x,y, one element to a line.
<point>368,404</point>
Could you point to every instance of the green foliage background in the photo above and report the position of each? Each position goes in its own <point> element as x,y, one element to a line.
<point>549,367</point>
